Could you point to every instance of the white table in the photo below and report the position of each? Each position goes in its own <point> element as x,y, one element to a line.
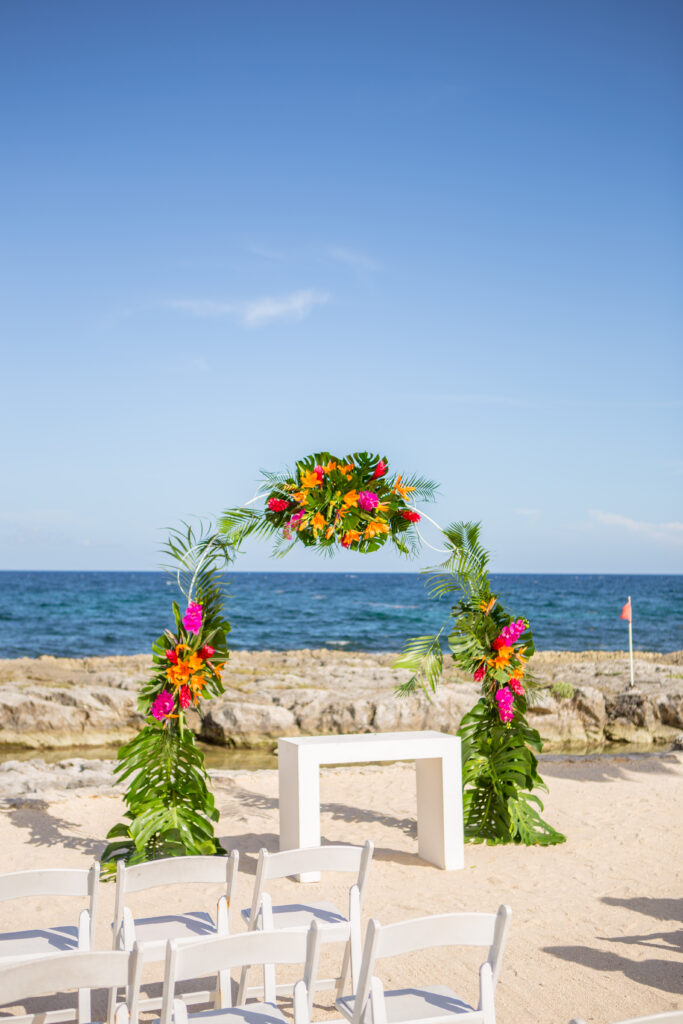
<point>439,787</point>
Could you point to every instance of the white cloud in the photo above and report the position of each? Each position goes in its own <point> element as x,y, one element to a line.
<point>671,532</point>
<point>296,306</point>
<point>352,258</point>
<point>255,313</point>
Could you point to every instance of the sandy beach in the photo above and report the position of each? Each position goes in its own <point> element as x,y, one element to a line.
<point>596,927</point>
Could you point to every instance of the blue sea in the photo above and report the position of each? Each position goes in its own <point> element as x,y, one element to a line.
<point>77,614</point>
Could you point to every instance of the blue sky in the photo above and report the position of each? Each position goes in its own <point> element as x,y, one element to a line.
<point>235,233</point>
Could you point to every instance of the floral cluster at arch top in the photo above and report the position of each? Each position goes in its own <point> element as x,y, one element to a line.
<point>353,502</point>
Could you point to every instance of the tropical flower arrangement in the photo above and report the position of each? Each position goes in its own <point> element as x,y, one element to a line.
<point>500,769</point>
<point>329,502</point>
<point>169,806</point>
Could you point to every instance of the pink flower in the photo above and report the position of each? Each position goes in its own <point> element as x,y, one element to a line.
<point>510,634</point>
<point>380,469</point>
<point>516,686</point>
<point>480,673</point>
<point>319,472</point>
<point>184,697</point>
<point>367,500</point>
<point>505,699</point>
<point>172,656</point>
<point>412,517</point>
<point>162,706</point>
<point>277,504</point>
<point>206,651</point>
<point>192,620</point>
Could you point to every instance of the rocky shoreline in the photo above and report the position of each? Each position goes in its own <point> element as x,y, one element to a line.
<point>585,704</point>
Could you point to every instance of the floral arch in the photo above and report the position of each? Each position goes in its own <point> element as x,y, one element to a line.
<point>327,502</point>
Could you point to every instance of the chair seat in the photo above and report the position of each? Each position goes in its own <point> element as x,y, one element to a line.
<point>37,942</point>
<point>253,1013</point>
<point>407,1004</point>
<point>300,915</point>
<point>154,932</point>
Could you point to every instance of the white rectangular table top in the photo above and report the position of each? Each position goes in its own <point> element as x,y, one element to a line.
<point>376,746</point>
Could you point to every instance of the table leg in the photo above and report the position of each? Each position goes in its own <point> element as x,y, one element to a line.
<point>439,811</point>
<point>299,787</point>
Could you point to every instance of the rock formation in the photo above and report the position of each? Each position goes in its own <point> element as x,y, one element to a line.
<point>585,702</point>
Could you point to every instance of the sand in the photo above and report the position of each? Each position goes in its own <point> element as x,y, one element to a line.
<point>596,928</point>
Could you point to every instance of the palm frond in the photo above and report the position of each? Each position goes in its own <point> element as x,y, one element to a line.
<point>197,557</point>
<point>424,489</point>
<point>424,657</point>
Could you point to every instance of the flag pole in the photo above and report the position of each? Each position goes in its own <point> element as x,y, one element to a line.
<point>630,637</point>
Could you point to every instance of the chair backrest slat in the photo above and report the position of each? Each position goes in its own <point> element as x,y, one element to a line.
<point>439,930</point>
<point>243,949</point>
<point>48,882</point>
<point>314,858</point>
<point>173,871</point>
<point>63,971</point>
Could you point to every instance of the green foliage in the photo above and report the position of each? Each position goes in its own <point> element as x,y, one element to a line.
<point>500,769</point>
<point>316,504</point>
<point>499,772</point>
<point>170,810</point>
<point>424,656</point>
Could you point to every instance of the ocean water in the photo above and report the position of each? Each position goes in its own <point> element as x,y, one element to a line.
<point>76,614</point>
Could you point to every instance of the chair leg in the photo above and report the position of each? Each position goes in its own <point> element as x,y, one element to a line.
<point>341,980</point>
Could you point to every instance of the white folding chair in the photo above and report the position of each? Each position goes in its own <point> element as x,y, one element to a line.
<point>152,933</point>
<point>82,970</point>
<point>430,1003</point>
<point>671,1017</point>
<point>185,960</point>
<point>46,939</point>
<point>336,927</point>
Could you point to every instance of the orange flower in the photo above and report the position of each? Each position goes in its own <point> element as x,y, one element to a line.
<point>518,673</point>
<point>350,499</point>
<point>382,507</point>
<point>349,537</point>
<point>374,528</point>
<point>310,479</point>
<point>486,608</point>
<point>197,684</point>
<point>178,674</point>
<point>300,496</point>
<point>402,490</point>
<point>318,522</point>
<point>328,532</point>
<point>347,470</point>
<point>502,658</point>
<point>520,655</point>
<point>330,466</point>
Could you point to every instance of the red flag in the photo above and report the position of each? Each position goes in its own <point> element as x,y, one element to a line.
<point>626,611</point>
